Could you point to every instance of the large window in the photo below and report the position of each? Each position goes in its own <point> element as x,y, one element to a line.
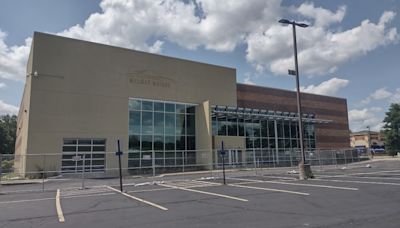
<point>160,131</point>
<point>267,134</point>
<point>76,151</point>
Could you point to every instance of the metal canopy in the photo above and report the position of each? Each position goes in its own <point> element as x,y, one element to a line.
<point>248,113</point>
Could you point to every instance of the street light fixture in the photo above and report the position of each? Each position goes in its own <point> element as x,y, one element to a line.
<point>304,169</point>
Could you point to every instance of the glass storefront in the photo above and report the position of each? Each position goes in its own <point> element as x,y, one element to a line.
<point>269,137</point>
<point>162,133</point>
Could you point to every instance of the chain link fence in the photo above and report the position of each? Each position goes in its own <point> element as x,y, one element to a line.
<point>82,170</point>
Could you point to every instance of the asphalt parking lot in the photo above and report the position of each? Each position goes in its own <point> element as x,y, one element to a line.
<point>350,196</point>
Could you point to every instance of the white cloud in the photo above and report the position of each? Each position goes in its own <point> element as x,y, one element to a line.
<point>222,26</point>
<point>329,87</point>
<point>359,119</point>
<point>248,80</point>
<point>379,94</point>
<point>2,85</point>
<point>395,98</point>
<point>7,108</point>
<point>320,50</point>
<point>322,17</point>
<point>13,59</point>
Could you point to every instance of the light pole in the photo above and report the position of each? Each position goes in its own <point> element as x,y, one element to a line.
<point>304,169</point>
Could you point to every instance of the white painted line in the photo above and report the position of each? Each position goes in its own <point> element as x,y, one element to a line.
<point>24,201</point>
<point>269,189</point>
<point>58,207</point>
<point>300,184</point>
<point>360,182</point>
<point>366,173</point>
<point>204,192</point>
<point>138,199</point>
<point>149,190</point>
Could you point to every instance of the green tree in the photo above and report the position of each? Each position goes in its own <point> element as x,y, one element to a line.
<point>391,129</point>
<point>8,130</point>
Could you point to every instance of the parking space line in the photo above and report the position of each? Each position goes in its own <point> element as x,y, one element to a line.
<point>298,184</point>
<point>138,199</point>
<point>58,207</point>
<point>204,192</point>
<point>269,189</point>
<point>360,182</point>
<point>28,200</point>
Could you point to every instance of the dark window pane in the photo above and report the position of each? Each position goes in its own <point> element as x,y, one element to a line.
<point>97,155</point>
<point>147,105</point>
<point>232,127</point>
<point>272,143</point>
<point>222,125</point>
<point>180,124</point>
<point>97,162</point>
<point>158,107</point>
<point>264,142</point>
<point>169,142</point>
<point>257,143</point>
<point>241,127</point>
<point>134,155</point>
<point>84,141</point>
<point>248,126</point>
<point>293,130</point>
<point>99,141</point>
<point>271,129</point>
<point>249,143</point>
<point>158,123</point>
<point>99,148</point>
<point>191,130</point>
<point>69,148</point>
<point>286,129</point>
<point>133,163</point>
<point>287,143</point>
<point>84,148</point>
<point>134,142</point>
<point>169,124</point>
<point>180,143</point>
<point>180,108</point>
<point>191,143</point>
<point>69,141</point>
<point>68,163</point>
<point>169,107</point>
<point>256,128</point>
<point>281,144</point>
<point>264,128</point>
<point>134,122</point>
<point>147,123</point>
<point>135,104</point>
<point>295,143</point>
<point>190,109</point>
<point>280,129</point>
<point>158,143</point>
<point>147,142</point>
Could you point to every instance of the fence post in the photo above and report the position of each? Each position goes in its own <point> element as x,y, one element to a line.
<point>153,162</point>
<point>44,170</point>
<point>319,159</point>
<point>1,162</point>
<point>83,171</point>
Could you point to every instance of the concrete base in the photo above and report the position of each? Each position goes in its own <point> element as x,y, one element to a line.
<point>305,171</point>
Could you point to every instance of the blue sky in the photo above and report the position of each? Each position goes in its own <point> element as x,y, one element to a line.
<point>351,49</point>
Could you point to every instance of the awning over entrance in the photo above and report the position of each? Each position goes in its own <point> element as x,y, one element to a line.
<point>249,113</point>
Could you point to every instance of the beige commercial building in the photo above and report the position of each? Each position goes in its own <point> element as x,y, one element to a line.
<point>366,139</point>
<point>81,97</point>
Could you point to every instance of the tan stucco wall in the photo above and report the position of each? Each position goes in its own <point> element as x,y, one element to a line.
<point>82,91</point>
